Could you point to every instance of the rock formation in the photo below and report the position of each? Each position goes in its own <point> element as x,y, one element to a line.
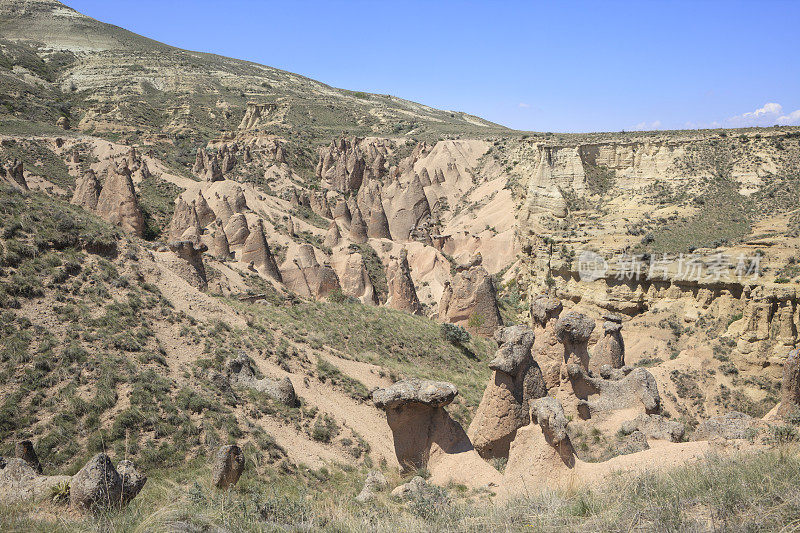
<point>730,426</point>
<point>573,330</point>
<point>341,213</point>
<point>24,450</point>
<point>302,273</point>
<point>402,294</point>
<point>221,248</point>
<point>192,253</point>
<point>354,279</point>
<point>420,426</point>
<point>547,349</point>
<point>228,466</point>
<point>118,204</point>
<point>185,223</point>
<point>98,484</point>
<point>14,174</point>
<point>375,482</point>
<point>21,483</point>
<point>237,231</point>
<point>790,387</point>
<point>358,229</point>
<point>332,237</point>
<point>242,371</point>
<point>205,215</point>
<point>638,389</point>
<point>655,427</point>
<point>610,349</point>
<point>87,191</point>
<point>515,382</point>
<point>256,251</point>
<point>471,301</point>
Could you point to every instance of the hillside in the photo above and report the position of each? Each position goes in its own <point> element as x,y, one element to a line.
<point>507,329</point>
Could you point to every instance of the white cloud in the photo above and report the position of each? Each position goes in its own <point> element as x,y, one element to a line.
<point>645,126</point>
<point>792,119</point>
<point>523,105</point>
<point>767,115</point>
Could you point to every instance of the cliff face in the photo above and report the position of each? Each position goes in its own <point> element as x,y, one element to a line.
<point>701,227</point>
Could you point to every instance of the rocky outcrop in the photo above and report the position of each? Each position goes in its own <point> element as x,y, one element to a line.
<point>354,278</point>
<point>185,223</point>
<point>730,426</point>
<point>133,480</point>
<point>13,173</point>
<point>407,208</point>
<point>610,349</point>
<point>21,483</point>
<point>471,301</point>
<point>192,253</point>
<point>413,489</point>
<point>358,228</point>
<point>655,427</point>
<point>205,215</point>
<point>87,191</point>
<point>98,485</point>
<point>24,450</point>
<point>302,273</point>
<point>547,349</point>
<point>375,482</point>
<point>421,428</point>
<point>332,237</point>
<point>228,466</point>
<point>242,371</point>
<point>237,231</point>
<point>256,252</point>
<point>320,206</point>
<point>207,167</point>
<point>118,203</point>
<point>573,330</point>
<point>638,389</point>
<point>221,249</point>
<point>515,382</point>
<point>790,387</point>
<point>402,294</point>
<point>342,165</point>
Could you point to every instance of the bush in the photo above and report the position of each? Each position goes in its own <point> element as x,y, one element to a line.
<point>455,334</point>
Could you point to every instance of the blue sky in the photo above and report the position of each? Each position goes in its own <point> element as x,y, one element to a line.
<point>554,66</point>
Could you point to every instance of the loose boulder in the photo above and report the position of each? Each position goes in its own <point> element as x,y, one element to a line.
<point>228,466</point>
<point>96,485</point>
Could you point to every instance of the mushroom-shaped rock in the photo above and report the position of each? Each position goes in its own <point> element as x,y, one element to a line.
<point>573,330</point>
<point>423,432</point>
<point>430,393</point>
<point>471,300</point>
<point>790,386</point>
<point>96,485</point>
<point>236,229</point>
<point>118,204</point>
<point>132,480</point>
<point>24,450</point>
<point>228,466</point>
<point>504,408</point>
<point>256,251</point>
<point>610,349</point>
<point>547,349</point>
<point>402,293</point>
<point>87,191</point>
